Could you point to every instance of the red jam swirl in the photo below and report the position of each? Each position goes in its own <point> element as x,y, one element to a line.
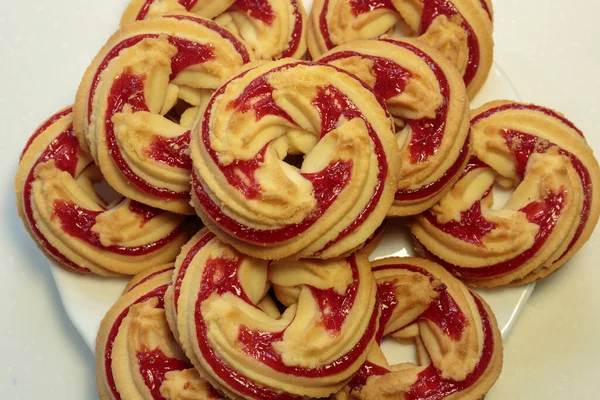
<point>445,314</point>
<point>360,7</point>
<point>49,122</point>
<point>189,53</point>
<point>443,310</point>
<point>154,366</point>
<point>435,187</point>
<point>332,105</point>
<point>431,385</point>
<point>327,184</point>
<point>433,9</point>
<point>486,8</point>
<point>129,89</point>
<point>224,33</point>
<point>145,9</point>
<point>259,344</point>
<point>543,213</point>
<point>336,307</point>
<point>427,134</point>
<point>296,35</point>
<point>158,293</point>
<point>151,276</point>
<point>367,370</point>
<point>171,151</point>
<point>64,151</point>
<point>471,227</point>
<point>186,264</point>
<point>258,9</point>
<point>78,222</point>
<point>323,26</point>
<point>531,107</point>
<point>522,146</point>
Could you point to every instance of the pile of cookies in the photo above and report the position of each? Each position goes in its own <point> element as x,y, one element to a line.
<point>293,162</point>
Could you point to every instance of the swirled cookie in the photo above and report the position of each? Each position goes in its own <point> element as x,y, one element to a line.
<point>140,97</point>
<point>67,219</point>
<point>460,29</point>
<point>136,354</point>
<point>549,216</point>
<point>230,326</point>
<point>272,28</point>
<point>294,159</point>
<point>427,98</point>
<point>459,346</point>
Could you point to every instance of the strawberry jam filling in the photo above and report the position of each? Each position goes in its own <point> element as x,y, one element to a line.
<point>544,213</point>
<point>436,8</point>
<point>444,313</point>
<point>221,276</point>
<point>128,89</point>
<point>327,183</point>
<point>64,152</point>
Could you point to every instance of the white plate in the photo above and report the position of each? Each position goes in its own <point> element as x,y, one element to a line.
<point>87,298</point>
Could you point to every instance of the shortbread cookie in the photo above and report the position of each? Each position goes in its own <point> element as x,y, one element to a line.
<point>140,97</point>
<point>231,328</point>
<point>62,212</point>
<point>272,28</point>
<point>136,354</point>
<point>549,216</point>
<point>460,29</point>
<point>459,346</point>
<point>294,159</point>
<point>427,98</point>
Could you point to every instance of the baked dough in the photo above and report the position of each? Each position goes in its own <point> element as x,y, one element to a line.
<point>140,97</point>
<point>294,159</point>
<point>460,29</point>
<point>136,354</point>
<point>65,216</point>
<point>459,346</point>
<point>272,28</point>
<point>427,98</point>
<point>549,216</point>
<point>230,326</point>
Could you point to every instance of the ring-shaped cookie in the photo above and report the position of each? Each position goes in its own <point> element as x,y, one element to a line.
<point>460,29</point>
<point>248,184</point>
<point>459,346</point>
<point>232,330</point>
<point>140,97</point>
<point>549,216</point>
<point>68,220</point>
<point>272,28</point>
<point>427,98</point>
<point>136,354</point>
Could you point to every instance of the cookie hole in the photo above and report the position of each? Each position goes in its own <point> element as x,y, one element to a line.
<point>107,193</point>
<point>280,306</point>
<point>501,196</point>
<point>402,30</point>
<point>398,353</point>
<point>294,159</point>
